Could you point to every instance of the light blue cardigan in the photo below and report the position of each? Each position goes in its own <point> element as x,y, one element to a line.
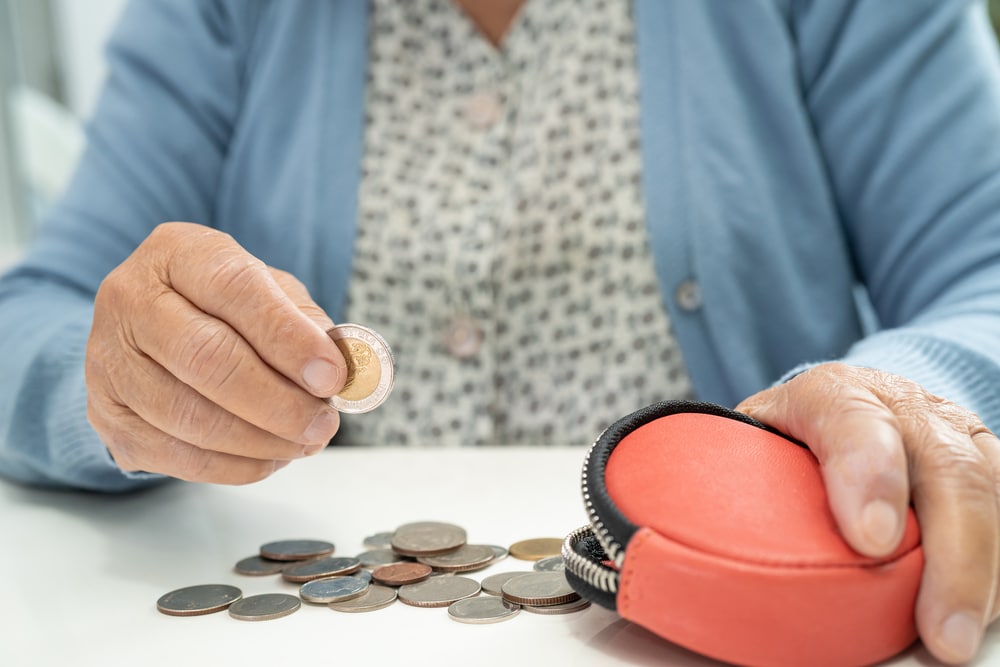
<point>792,150</point>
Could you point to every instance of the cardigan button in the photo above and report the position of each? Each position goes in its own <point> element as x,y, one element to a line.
<point>463,337</point>
<point>688,296</point>
<point>483,109</point>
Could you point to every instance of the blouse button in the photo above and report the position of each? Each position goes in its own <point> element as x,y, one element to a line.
<point>463,337</point>
<point>483,109</point>
<point>688,296</point>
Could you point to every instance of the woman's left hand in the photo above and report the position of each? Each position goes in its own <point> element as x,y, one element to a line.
<point>884,441</point>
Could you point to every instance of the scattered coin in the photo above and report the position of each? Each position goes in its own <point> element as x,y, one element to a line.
<point>320,568</point>
<point>332,589</point>
<point>427,538</point>
<point>296,549</point>
<point>255,566</point>
<point>493,584</point>
<point>264,607</point>
<point>198,600</point>
<point>400,574</point>
<point>369,368</point>
<point>463,559</point>
<point>536,548</point>
<point>375,598</point>
<point>379,541</point>
<point>376,557</point>
<point>550,564</point>
<point>564,608</point>
<point>499,553</point>
<point>539,589</point>
<point>438,591</point>
<point>482,610</point>
<point>363,575</point>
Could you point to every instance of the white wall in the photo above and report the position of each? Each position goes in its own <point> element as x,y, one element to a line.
<point>83,27</point>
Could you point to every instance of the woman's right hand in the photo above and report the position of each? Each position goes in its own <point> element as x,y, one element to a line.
<point>205,364</point>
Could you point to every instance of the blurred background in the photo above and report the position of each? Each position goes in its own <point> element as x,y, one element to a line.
<point>51,71</point>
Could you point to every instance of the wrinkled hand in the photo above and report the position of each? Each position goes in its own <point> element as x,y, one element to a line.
<point>883,441</point>
<point>205,364</point>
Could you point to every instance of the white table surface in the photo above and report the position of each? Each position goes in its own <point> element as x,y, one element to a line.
<point>82,572</point>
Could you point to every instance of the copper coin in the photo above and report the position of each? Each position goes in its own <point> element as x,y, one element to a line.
<point>438,591</point>
<point>320,568</point>
<point>400,574</point>
<point>264,607</point>
<point>466,558</point>
<point>369,368</point>
<point>553,609</point>
<point>536,548</point>
<point>296,549</point>
<point>482,610</point>
<point>332,589</point>
<point>427,538</point>
<point>539,589</point>
<point>375,598</point>
<point>255,566</point>
<point>493,584</point>
<point>198,600</point>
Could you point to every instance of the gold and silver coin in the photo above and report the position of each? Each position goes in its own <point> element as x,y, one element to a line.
<point>427,538</point>
<point>536,548</point>
<point>375,598</point>
<point>465,558</point>
<point>198,600</point>
<point>438,591</point>
<point>539,589</point>
<point>370,372</point>
<point>296,549</point>
<point>264,607</point>
<point>332,589</point>
<point>320,568</point>
<point>482,610</point>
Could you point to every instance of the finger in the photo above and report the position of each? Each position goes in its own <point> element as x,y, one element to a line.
<point>300,296</point>
<point>135,445</point>
<point>176,409</point>
<point>221,278</point>
<point>954,495</point>
<point>216,362</point>
<point>860,451</point>
<point>989,446</point>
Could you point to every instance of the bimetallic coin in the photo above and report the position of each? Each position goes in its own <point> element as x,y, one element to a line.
<point>375,598</point>
<point>320,568</point>
<point>427,538</point>
<point>552,609</point>
<point>536,548</point>
<point>400,574</point>
<point>466,558</point>
<point>296,549</point>
<point>264,607</point>
<point>539,589</point>
<point>379,541</point>
<point>369,368</point>
<point>376,557</point>
<point>332,589</point>
<point>198,600</point>
<point>438,591</point>
<point>550,564</point>
<point>255,566</point>
<point>493,584</point>
<point>482,610</point>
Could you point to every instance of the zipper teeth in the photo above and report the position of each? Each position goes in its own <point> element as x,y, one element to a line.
<point>595,574</point>
<point>614,550</point>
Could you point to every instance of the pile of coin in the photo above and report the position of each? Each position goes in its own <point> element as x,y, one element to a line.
<point>421,564</point>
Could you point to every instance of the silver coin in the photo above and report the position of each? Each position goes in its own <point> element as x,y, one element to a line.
<point>552,609</point>
<point>493,584</point>
<point>255,566</point>
<point>379,541</point>
<point>264,607</point>
<point>375,598</point>
<point>198,600</point>
<point>332,589</point>
<point>296,549</point>
<point>370,372</point>
<point>427,538</point>
<point>438,591</point>
<point>320,568</point>
<point>550,564</point>
<point>363,575</point>
<point>376,557</point>
<point>539,589</point>
<point>499,552</point>
<point>463,559</point>
<point>482,610</point>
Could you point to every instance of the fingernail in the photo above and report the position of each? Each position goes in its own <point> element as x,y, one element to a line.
<point>880,524</point>
<point>322,428</point>
<point>960,634</point>
<point>321,377</point>
<point>311,450</point>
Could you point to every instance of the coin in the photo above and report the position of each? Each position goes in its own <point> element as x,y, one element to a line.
<point>320,568</point>
<point>376,557</point>
<point>438,591</point>
<point>499,553</point>
<point>550,564</point>
<point>369,368</point>
<point>493,584</point>
<point>463,559</point>
<point>379,541</point>
<point>264,607</point>
<point>400,574</point>
<point>536,548</point>
<point>198,600</point>
<point>375,598</point>
<point>482,610</point>
<point>255,566</point>
<point>332,589</point>
<point>296,549</point>
<point>427,538</point>
<point>363,575</point>
<point>539,589</point>
<point>564,608</point>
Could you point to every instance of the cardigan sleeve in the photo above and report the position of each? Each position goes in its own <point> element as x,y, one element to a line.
<point>155,150</point>
<point>905,100</point>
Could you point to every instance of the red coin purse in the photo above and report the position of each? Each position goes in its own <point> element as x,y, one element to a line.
<point>714,532</point>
